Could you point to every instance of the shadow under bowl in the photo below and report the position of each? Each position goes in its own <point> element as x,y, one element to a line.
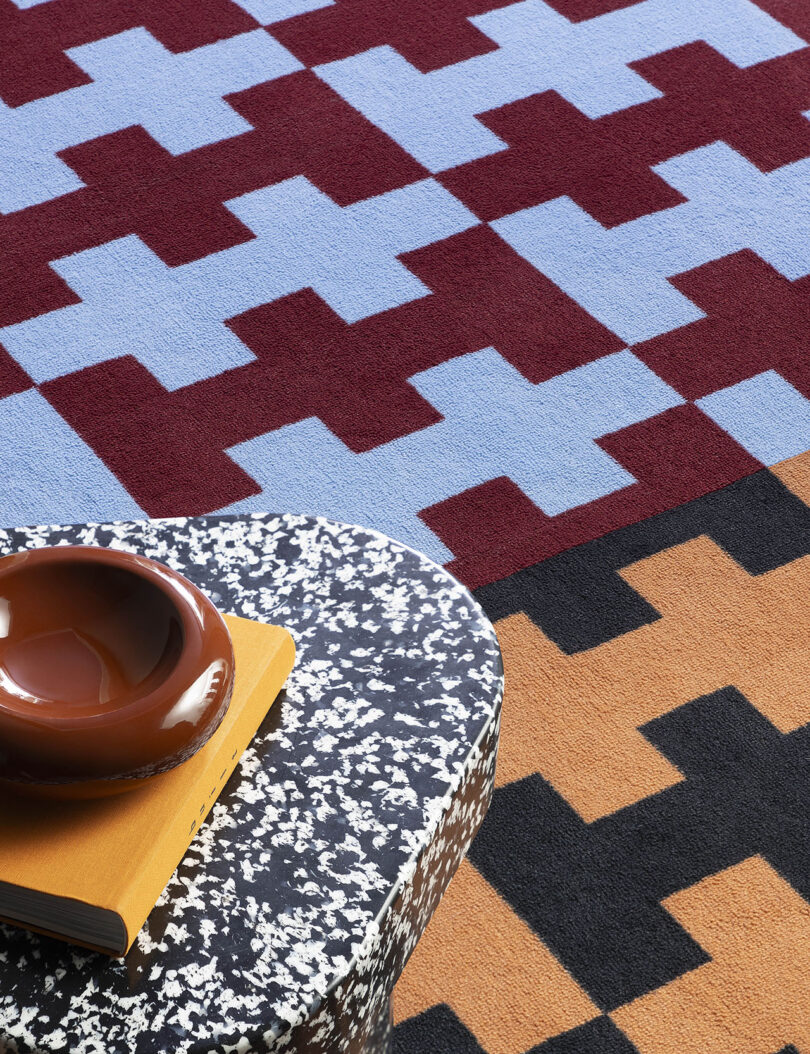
<point>113,669</point>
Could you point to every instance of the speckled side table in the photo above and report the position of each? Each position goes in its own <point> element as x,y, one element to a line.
<point>293,913</point>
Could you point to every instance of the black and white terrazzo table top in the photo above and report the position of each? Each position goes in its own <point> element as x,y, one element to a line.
<point>369,773</point>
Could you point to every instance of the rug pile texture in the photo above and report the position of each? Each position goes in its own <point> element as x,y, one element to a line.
<point>525,285</point>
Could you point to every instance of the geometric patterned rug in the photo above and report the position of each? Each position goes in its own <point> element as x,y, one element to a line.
<point>525,285</point>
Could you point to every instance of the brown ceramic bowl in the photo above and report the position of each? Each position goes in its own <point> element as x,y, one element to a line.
<point>113,668</point>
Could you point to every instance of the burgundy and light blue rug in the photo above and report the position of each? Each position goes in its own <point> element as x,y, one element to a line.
<point>527,286</point>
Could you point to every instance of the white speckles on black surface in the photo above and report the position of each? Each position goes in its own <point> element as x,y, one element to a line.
<point>298,902</point>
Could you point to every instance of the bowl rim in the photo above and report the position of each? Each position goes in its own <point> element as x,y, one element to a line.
<point>194,608</point>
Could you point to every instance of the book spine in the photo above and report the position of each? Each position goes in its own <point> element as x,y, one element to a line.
<point>170,844</point>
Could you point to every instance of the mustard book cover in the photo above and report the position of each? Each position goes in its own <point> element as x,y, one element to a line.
<point>91,871</point>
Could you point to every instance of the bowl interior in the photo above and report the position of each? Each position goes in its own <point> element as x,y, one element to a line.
<point>81,634</point>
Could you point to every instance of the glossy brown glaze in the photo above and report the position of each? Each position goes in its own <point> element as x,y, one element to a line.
<point>113,668</point>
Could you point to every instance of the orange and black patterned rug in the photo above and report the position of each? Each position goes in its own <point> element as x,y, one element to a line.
<point>641,883</point>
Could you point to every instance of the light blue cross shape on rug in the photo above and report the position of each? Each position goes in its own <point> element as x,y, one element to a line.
<point>136,80</point>
<point>620,274</point>
<point>131,304</point>
<point>172,318</point>
<point>495,423</point>
<point>433,115</point>
<point>765,414</point>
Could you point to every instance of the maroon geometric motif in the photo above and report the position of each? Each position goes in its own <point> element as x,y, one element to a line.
<point>604,164</point>
<point>310,362</point>
<point>175,203</point>
<point>33,40</point>
<point>756,320</point>
<point>163,456</point>
<point>495,530</point>
<point>171,202</point>
<point>428,33</point>
<point>756,110</point>
<point>555,149</point>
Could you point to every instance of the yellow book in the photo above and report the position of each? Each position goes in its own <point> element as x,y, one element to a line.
<point>91,871</point>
